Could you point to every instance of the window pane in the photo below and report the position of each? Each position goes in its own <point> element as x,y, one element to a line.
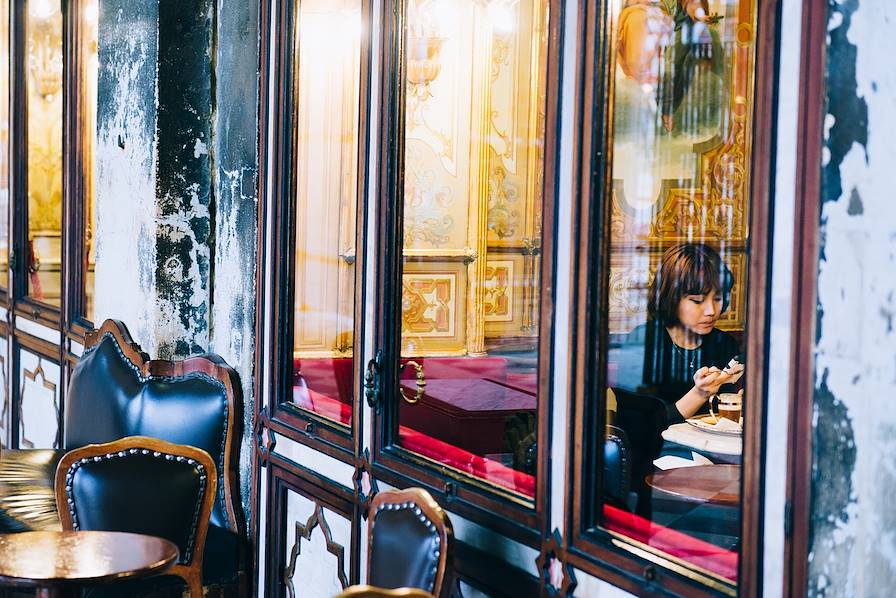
<point>677,282</point>
<point>4,144</point>
<point>90,20</point>
<point>43,74</point>
<point>474,134</point>
<point>326,174</point>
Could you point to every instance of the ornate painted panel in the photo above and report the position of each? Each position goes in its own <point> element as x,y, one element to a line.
<point>39,406</point>
<point>318,549</point>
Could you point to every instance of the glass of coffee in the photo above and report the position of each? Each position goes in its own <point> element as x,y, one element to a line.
<point>730,406</point>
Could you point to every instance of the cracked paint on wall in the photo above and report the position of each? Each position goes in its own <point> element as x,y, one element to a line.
<point>853,535</point>
<point>185,210</point>
<point>125,158</point>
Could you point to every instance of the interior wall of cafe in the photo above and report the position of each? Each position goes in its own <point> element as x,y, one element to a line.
<point>176,165</point>
<point>853,537</point>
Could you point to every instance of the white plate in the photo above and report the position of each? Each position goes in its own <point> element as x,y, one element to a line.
<point>712,428</point>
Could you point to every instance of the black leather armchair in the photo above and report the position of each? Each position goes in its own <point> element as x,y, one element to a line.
<point>146,486</point>
<point>410,541</point>
<point>116,391</point>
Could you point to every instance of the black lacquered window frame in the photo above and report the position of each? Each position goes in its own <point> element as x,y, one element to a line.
<point>77,170</point>
<point>627,563</point>
<point>506,511</point>
<point>279,75</point>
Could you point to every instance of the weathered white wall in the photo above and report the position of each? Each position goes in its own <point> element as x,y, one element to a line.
<point>126,166</point>
<point>853,551</point>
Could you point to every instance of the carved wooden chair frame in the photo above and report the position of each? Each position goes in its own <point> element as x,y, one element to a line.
<point>210,365</point>
<point>191,569</point>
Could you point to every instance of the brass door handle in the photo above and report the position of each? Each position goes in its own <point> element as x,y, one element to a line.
<point>421,382</point>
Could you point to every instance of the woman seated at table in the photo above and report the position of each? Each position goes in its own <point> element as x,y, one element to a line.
<point>678,355</point>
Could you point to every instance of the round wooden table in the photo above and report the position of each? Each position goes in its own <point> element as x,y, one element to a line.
<point>60,563</point>
<point>700,484</point>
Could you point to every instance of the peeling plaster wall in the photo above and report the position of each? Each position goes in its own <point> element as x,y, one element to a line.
<point>185,211</point>
<point>176,180</point>
<point>853,536</point>
<point>235,134</point>
<point>125,166</point>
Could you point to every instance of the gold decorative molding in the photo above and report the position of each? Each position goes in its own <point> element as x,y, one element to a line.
<point>498,293</point>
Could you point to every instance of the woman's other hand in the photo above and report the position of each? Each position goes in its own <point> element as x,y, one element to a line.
<point>733,373</point>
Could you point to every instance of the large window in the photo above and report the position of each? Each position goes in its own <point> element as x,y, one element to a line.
<point>327,84</point>
<point>666,402</point>
<point>470,205</point>
<point>43,106</point>
<point>88,64</point>
<point>473,179</point>
<point>5,55</point>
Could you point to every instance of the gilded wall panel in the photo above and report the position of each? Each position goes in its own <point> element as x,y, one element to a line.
<point>434,308</point>
<point>510,297</point>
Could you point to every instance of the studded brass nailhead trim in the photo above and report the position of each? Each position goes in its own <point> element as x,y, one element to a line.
<point>435,539</point>
<point>219,462</point>
<point>198,467</point>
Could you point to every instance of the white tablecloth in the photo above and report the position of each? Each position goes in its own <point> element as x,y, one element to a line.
<point>689,436</point>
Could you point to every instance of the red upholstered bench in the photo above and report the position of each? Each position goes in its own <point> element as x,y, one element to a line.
<point>465,461</point>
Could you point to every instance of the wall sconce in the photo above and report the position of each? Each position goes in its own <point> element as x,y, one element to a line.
<point>423,64</point>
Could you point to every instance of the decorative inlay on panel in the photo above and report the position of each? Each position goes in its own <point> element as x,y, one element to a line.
<point>316,558</point>
<point>38,402</point>
<point>498,291</point>
<point>428,304</point>
<point>557,576</point>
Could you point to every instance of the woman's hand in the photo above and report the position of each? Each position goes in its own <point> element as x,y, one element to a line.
<point>707,381</point>
<point>733,372</point>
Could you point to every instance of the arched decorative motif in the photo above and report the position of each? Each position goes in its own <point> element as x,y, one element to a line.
<point>304,531</point>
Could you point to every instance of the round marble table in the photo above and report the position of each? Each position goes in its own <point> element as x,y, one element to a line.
<point>60,563</point>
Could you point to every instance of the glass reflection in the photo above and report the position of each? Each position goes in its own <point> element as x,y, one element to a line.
<point>474,136</point>
<point>327,89</point>
<point>43,75</point>
<point>676,405</point>
<point>89,30</point>
<point>4,144</point>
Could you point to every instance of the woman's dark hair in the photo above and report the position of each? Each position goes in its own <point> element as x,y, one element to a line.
<point>687,269</point>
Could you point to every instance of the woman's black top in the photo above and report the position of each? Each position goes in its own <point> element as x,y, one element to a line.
<point>649,363</point>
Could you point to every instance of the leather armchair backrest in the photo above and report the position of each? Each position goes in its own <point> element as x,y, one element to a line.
<point>114,393</point>
<point>617,467</point>
<point>408,542</point>
<point>138,491</point>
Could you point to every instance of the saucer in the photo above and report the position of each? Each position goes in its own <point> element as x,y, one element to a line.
<point>728,428</point>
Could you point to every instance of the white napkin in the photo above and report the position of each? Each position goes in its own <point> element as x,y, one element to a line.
<point>672,461</point>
